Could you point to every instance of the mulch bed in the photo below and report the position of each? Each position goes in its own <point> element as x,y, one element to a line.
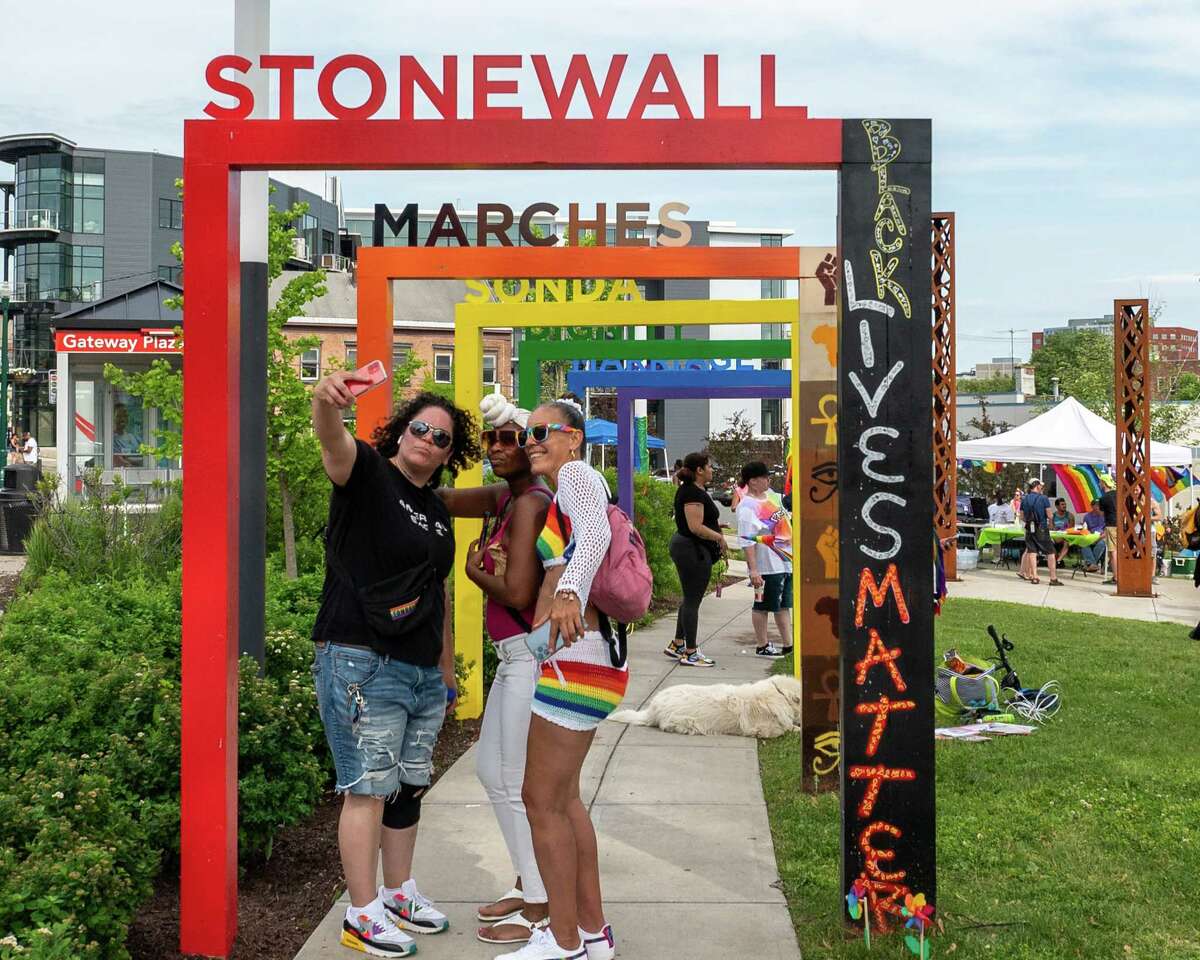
<point>280,902</point>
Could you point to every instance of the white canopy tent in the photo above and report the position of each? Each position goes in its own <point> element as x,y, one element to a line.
<point>1068,433</point>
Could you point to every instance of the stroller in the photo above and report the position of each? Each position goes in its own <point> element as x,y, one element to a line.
<point>966,692</point>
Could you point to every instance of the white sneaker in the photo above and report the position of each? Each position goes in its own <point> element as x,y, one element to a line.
<point>599,946</point>
<point>379,937</point>
<point>543,946</point>
<point>413,911</point>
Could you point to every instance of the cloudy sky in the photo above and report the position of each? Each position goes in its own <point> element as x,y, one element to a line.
<point>1065,134</point>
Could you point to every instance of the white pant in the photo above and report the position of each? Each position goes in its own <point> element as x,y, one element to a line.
<point>500,758</point>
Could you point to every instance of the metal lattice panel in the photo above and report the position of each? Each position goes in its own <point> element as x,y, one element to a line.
<point>1131,355</point>
<point>945,391</point>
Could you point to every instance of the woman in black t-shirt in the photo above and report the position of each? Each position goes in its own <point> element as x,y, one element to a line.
<point>384,664</point>
<point>695,547</point>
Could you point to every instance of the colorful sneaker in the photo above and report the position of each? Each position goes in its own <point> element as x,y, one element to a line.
<point>414,911</point>
<point>674,650</point>
<point>768,651</point>
<point>379,938</point>
<point>599,946</point>
<point>543,946</point>
<point>696,659</point>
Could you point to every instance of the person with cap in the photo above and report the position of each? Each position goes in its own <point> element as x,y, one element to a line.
<point>1035,511</point>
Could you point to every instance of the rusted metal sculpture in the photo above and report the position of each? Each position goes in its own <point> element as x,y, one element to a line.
<point>1131,357</point>
<point>945,391</point>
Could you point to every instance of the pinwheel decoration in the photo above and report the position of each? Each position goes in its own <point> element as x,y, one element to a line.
<point>859,906</point>
<point>918,914</point>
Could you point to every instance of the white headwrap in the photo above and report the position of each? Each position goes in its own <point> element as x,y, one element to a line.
<point>498,411</point>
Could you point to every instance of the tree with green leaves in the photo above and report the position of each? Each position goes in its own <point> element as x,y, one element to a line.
<point>986,385</point>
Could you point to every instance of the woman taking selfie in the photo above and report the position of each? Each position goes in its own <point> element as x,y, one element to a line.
<point>504,564</point>
<point>578,686</point>
<point>384,664</point>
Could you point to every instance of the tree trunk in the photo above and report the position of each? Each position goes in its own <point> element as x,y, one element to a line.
<point>289,528</point>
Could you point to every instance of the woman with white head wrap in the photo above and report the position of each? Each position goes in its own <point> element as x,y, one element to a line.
<point>505,566</point>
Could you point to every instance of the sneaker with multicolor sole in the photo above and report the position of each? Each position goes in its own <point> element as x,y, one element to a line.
<point>411,910</point>
<point>379,938</point>
<point>599,946</point>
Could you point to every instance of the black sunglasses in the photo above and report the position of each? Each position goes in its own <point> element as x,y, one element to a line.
<point>506,438</point>
<point>419,428</point>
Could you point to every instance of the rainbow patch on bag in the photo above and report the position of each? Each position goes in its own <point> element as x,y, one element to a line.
<point>402,610</point>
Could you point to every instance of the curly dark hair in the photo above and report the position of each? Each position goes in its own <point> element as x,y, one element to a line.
<point>464,448</point>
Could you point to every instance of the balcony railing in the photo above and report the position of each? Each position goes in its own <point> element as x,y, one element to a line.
<point>31,220</point>
<point>335,262</point>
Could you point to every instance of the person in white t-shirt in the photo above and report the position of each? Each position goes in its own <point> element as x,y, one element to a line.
<point>1001,513</point>
<point>29,450</point>
<point>760,513</point>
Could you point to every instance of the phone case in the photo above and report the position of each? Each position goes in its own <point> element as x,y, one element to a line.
<point>538,642</point>
<point>367,378</point>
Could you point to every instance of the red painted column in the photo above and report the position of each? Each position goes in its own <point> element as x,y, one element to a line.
<point>209,755</point>
<point>375,338</point>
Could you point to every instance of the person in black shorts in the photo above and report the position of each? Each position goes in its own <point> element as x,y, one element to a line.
<point>384,660</point>
<point>1035,512</point>
<point>695,546</point>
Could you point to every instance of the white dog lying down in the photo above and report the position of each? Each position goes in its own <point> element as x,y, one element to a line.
<point>766,708</point>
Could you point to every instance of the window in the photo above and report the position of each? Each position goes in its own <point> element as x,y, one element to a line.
<point>87,273</point>
<point>170,214</point>
<point>310,365</point>
<point>351,354</point>
<point>489,368</point>
<point>171,274</point>
<point>773,331</point>
<point>443,367</point>
<point>87,195</point>
<point>772,417</point>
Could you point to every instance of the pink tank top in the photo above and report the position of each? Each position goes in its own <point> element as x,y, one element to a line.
<point>501,624</point>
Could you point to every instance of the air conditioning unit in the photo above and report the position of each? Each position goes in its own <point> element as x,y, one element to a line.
<point>300,248</point>
<point>335,262</point>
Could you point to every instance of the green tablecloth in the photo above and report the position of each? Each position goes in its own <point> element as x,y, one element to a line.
<point>993,535</point>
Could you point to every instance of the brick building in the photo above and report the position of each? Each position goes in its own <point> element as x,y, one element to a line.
<point>423,321</point>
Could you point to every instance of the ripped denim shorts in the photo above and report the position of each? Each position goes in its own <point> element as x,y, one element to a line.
<point>381,718</point>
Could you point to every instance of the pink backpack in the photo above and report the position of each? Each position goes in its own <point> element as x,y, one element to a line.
<point>622,585</point>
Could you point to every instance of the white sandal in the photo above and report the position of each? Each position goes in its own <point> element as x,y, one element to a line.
<point>513,894</point>
<point>517,920</point>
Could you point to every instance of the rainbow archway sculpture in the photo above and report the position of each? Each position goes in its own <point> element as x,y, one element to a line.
<point>883,410</point>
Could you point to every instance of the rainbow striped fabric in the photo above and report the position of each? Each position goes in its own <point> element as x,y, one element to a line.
<point>578,694</point>
<point>1170,481</point>
<point>555,536</point>
<point>988,466</point>
<point>1080,484</point>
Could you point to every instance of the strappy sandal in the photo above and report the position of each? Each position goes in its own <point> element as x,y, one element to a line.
<point>1022,576</point>
<point>1056,583</point>
<point>520,920</point>
<point>513,894</point>
<point>1034,580</point>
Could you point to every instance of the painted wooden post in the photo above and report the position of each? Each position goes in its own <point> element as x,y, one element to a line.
<point>1131,406</point>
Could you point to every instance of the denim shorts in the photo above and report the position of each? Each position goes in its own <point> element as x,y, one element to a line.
<point>777,593</point>
<point>381,718</point>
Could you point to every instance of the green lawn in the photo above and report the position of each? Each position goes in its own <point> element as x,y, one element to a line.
<point>1080,841</point>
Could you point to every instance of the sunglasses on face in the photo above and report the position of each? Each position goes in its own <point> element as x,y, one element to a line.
<point>420,429</point>
<point>505,438</point>
<point>540,433</point>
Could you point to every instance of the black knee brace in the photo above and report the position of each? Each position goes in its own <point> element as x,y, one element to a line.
<point>404,809</point>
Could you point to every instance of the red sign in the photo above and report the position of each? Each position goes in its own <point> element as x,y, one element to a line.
<point>491,76</point>
<point>116,341</point>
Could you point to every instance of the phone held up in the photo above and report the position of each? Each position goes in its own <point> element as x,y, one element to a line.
<point>367,378</point>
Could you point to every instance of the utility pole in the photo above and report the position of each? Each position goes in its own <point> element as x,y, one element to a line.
<point>5,298</point>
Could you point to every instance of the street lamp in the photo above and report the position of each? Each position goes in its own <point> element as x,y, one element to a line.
<point>5,297</point>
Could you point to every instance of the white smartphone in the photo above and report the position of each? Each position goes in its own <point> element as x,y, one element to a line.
<point>538,642</point>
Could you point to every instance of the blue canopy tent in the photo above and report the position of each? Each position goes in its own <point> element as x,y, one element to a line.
<point>603,433</point>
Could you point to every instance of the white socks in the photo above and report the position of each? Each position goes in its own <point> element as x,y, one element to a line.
<point>374,910</point>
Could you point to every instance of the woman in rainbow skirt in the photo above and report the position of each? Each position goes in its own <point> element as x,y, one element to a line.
<point>578,686</point>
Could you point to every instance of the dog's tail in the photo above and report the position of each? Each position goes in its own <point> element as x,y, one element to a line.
<point>637,718</point>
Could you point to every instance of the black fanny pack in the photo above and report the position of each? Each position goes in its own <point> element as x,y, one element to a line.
<point>398,606</point>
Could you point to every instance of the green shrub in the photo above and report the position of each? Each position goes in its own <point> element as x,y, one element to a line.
<point>96,537</point>
<point>292,604</point>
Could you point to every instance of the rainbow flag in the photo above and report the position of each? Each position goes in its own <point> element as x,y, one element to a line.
<point>1170,481</point>
<point>1080,484</point>
<point>988,466</point>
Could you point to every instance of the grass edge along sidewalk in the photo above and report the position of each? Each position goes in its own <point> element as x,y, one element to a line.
<point>1080,841</point>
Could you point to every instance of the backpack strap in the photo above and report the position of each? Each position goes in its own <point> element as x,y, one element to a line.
<point>618,644</point>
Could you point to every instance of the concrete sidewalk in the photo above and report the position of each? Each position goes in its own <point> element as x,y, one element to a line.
<point>686,858</point>
<point>1176,600</point>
